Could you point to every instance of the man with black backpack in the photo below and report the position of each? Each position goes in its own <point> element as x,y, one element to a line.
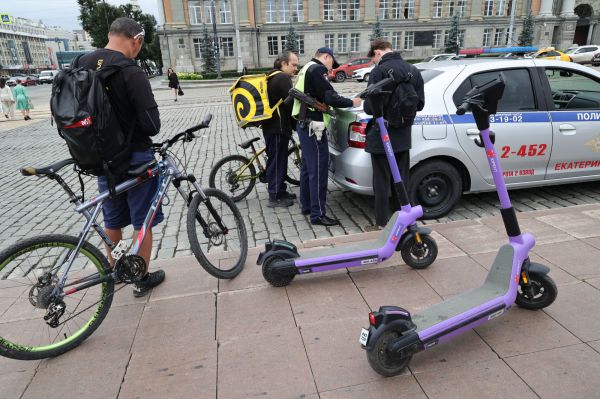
<point>399,109</point>
<point>135,113</point>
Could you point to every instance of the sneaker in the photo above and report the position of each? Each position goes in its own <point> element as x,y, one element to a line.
<point>147,283</point>
<point>287,195</point>
<point>279,203</point>
<point>175,100</point>
<point>27,118</point>
<point>6,116</point>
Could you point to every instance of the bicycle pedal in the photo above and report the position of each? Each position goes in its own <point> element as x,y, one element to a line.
<point>120,249</point>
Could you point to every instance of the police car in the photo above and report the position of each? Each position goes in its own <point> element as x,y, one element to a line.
<point>547,131</point>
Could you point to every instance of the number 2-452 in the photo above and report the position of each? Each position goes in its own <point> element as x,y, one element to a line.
<point>532,150</point>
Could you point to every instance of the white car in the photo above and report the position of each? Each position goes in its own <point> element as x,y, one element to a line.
<point>362,74</point>
<point>439,57</point>
<point>583,54</point>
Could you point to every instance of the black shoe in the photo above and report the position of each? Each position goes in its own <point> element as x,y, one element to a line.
<point>27,118</point>
<point>287,195</point>
<point>6,116</point>
<point>325,221</point>
<point>280,203</point>
<point>147,283</point>
<point>175,100</point>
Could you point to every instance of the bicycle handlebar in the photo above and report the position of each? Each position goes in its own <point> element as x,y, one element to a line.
<point>188,134</point>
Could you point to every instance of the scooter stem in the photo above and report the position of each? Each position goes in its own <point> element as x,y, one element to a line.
<point>496,169</point>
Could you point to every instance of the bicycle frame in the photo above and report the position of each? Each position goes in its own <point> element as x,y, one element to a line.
<point>255,157</point>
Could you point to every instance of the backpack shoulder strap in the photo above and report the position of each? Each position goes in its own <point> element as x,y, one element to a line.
<point>75,63</point>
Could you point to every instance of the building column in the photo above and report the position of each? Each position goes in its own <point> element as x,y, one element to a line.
<point>424,10</point>
<point>476,12</point>
<point>567,9</point>
<point>546,9</point>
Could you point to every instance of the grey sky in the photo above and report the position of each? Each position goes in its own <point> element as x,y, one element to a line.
<point>63,13</point>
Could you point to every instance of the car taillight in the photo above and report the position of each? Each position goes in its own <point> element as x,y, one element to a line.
<point>357,134</point>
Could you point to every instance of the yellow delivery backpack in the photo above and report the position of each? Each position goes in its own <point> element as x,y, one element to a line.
<point>251,101</point>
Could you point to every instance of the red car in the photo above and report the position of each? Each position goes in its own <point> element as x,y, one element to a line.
<point>346,70</point>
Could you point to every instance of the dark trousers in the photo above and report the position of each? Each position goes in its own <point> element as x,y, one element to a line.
<point>314,173</point>
<point>277,161</point>
<point>383,184</point>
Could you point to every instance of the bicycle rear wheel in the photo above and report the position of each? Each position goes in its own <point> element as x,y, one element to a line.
<point>294,164</point>
<point>229,176</point>
<point>29,271</point>
<point>221,252</point>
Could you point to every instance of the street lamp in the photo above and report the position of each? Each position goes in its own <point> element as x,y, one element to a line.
<point>58,54</point>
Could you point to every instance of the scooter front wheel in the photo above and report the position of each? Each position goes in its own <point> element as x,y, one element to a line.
<point>419,255</point>
<point>540,292</point>
<point>381,360</point>
<point>274,277</point>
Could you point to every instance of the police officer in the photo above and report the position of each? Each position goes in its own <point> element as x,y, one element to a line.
<point>313,81</point>
<point>383,184</point>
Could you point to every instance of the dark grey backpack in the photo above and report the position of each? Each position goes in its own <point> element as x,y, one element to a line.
<point>403,103</point>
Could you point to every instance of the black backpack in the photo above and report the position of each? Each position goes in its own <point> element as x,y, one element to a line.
<point>83,114</point>
<point>403,103</point>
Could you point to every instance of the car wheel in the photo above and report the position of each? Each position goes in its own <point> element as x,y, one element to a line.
<point>436,186</point>
<point>340,77</point>
<point>366,78</point>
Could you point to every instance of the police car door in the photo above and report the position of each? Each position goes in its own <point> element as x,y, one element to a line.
<point>575,123</point>
<point>521,126</point>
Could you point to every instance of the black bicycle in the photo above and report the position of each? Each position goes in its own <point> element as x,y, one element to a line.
<point>55,290</point>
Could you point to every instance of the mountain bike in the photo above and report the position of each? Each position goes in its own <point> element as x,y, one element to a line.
<point>236,174</point>
<point>55,290</point>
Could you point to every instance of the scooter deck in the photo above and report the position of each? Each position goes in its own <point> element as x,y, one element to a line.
<point>496,285</point>
<point>356,247</point>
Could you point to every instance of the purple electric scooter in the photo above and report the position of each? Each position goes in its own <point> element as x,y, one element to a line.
<point>395,335</point>
<point>281,261</point>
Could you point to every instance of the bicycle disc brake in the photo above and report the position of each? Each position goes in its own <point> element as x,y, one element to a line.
<point>130,268</point>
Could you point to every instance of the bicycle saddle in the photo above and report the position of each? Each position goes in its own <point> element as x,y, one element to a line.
<point>138,170</point>
<point>48,170</point>
<point>248,143</point>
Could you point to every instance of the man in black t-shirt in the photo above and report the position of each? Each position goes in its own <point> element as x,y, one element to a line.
<point>133,103</point>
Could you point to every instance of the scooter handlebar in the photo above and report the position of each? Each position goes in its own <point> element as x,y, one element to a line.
<point>463,108</point>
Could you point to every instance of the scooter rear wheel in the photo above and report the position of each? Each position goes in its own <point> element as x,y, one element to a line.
<point>419,256</point>
<point>542,292</point>
<point>381,361</point>
<point>275,278</point>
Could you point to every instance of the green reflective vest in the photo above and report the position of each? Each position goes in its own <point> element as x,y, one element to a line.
<point>300,86</point>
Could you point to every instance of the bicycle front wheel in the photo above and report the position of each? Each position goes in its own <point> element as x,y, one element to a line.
<point>29,272</point>
<point>231,176</point>
<point>217,234</point>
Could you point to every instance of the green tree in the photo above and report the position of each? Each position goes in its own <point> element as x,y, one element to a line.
<point>207,50</point>
<point>452,45</point>
<point>526,36</point>
<point>291,40</point>
<point>377,31</point>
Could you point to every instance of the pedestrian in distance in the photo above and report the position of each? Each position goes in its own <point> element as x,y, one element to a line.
<point>22,99</point>
<point>399,109</point>
<point>173,82</point>
<point>278,130</point>
<point>7,100</point>
<point>312,130</point>
<point>136,111</point>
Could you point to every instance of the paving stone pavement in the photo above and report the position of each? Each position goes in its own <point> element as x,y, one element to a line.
<point>198,337</point>
<point>32,206</point>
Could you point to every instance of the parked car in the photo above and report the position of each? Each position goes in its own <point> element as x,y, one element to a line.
<point>346,70</point>
<point>25,80</point>
<point>362,74</point>
<point>438,57</point>
<point>547,131</point>
<point>550,53</point>
<point>583,54</point>
<point>47,76</point>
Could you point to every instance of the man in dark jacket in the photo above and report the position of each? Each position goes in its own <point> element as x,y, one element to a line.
<point>278,130</point>
<point>381,53</point>
<point>313,81</point>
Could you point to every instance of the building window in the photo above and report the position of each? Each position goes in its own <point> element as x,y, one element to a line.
<point>225,11</point>
<point>283,43</point>
<point>181,43</point>
<point>500,37</point>
<point>409,8</point>
<point>487,37</point>
<point>500,8</point>
<point>328,10</point>
<point>488,8</point>
<point>297,11</point>
<point>284,11</point>
<point>273,45</point>
<point>354,10</point>
<point>329,40</point>
<point>450,8</point>
<point>461,8</point>
<point>437,39</point>
<point>195,13</point>
<point>208,12</point>
<point>395,40</point>
<point>437,8</point>
<point>300,44</point>
<point>409,40</point>
<point>395,9</point>
<point>342,43</point>
<point>270,11</point>
<point>342,10</point>
<point>354,42</point>
<point>227,46</point>
<point>384,8</point>
<point>197,46</point>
